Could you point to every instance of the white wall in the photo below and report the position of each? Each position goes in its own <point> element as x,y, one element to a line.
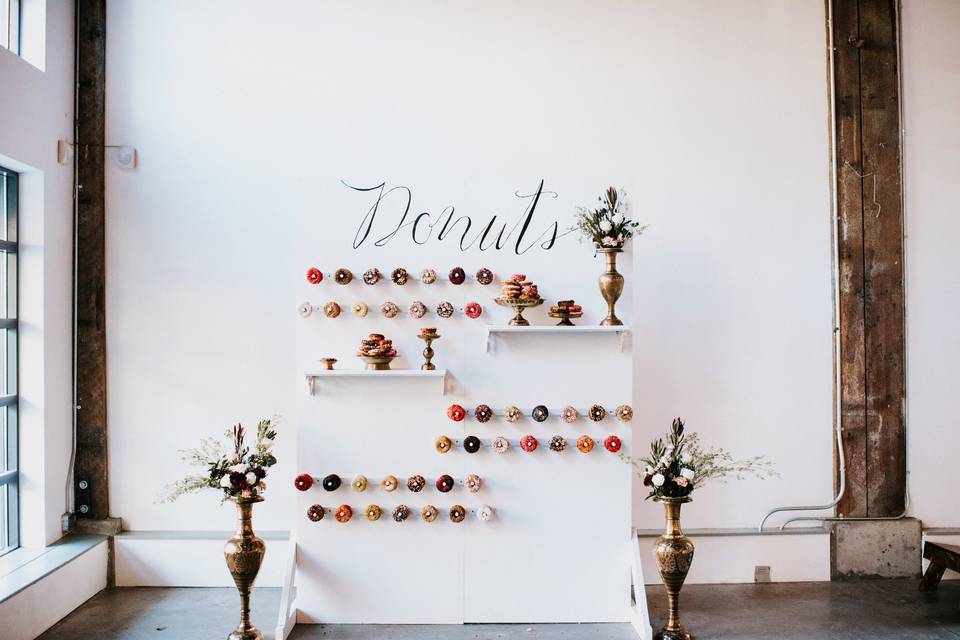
<point>931,92</point>
<point>722,111</point>
<point>36,110</point>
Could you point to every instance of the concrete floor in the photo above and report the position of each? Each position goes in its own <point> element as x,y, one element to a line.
<point>874,610</point>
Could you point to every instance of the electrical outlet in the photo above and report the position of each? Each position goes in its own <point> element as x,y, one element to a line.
<point>761,573</point>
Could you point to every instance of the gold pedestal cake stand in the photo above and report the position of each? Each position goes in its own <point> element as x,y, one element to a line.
<point>565,316</point>
<point>518,305</point>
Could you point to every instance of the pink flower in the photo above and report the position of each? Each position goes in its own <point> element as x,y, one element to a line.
<point>609,242</point>
<point>681,481</point>
<point>246,493</point>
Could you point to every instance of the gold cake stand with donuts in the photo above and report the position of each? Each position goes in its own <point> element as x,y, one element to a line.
<point>565,316</point>
<point>518,305</point>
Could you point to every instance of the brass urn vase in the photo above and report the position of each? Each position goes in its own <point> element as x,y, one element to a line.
<point>674,556</point>
<point>611,286</point>
<point>244,554</point>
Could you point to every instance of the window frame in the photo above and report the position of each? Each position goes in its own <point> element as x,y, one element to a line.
<point>12,39</point>
<point>9,402</point>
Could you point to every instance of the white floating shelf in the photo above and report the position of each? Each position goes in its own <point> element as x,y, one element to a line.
<point>313,374</point>
<point>621,331</point>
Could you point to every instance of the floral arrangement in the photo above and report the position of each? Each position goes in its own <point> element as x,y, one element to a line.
<point>231,466</point>
<point>607,226</point>
<point>675,467</point>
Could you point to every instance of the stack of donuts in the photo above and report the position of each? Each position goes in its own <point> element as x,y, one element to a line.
<point>377,345</point>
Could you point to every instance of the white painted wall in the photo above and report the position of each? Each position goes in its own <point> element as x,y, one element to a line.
<point>724,118</point>
<point>931,91</point>
<point>36,110</point>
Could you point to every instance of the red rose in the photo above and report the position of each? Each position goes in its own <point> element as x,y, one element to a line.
<point>314,275</point>
<point>237,479</point>
<point>648,480</point>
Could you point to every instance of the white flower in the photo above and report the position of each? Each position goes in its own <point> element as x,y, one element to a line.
<point>605,225</point>
<point>686,458</point>
<point>251,478</point>
<point>225,482</point>
<point>687,473</point>
<point>658,480</point>
<point>618,218</point>
<point>239,468</point>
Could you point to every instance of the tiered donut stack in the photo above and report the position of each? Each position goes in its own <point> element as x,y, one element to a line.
<point>377,345</point>
<point>519,288</point>
<point>566,306</point>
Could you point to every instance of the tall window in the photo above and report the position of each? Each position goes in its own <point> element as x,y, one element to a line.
<point>9,475</point>
<point>10,25</point>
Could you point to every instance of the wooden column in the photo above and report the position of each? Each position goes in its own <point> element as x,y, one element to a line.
<point>91,460</point>
<point>870,245</point>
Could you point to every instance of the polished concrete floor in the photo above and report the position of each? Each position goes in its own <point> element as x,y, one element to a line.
<point>874,610</point>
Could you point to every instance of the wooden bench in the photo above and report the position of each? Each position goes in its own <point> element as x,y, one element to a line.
<point>941,557</point>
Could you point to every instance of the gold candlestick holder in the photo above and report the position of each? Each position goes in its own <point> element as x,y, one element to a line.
<point>428,350</point>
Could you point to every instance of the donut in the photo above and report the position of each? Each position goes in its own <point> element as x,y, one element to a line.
<point>457,513</point>
<point>585,444</point>
<point>400,276</point>
<point>359,484</point>
<point>558,443</point>
<point>360,309</point>
<point>315,513</point>
<point>444,309</point>
<point>500,444</point>
<point>314,275</point>
<point>389,484</point>
<point>343,513</point>
<point>429,513</point>
<point>519,277</point>
<point>597,413</point>
<point>416,483</point>
<point>429,331</point>
<point>471,444</point>
<point>569,414</point>
<point>305,310</point>
<point>624,413</point>
<point>528,443</point>
<point>372,276</point>
<point>540,413</point>
<point>442,444</point>
<point>389,310</point>
<point>303,481</point>
<point>612,444</point>
<point>473,483</point>
<point>373,512</point>
<point>473,310</point>
<point>417,309</point>
<point>401,513</point>
<point>428,276</point>
<point>485,513</point>
<point>444,483</point>
<point>457,275</point>
<point>342,276</point>
<point>331,482</point>
<point>512,414</point>
<point>484,276</point>
<point>456,413</point>
<point>483,413</point>
<point>331,309</point>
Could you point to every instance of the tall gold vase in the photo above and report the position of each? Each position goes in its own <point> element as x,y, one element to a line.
<point>244,554</point>
<point>674,556</point>
<point>611,286</point>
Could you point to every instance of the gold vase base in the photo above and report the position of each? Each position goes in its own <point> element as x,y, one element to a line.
<point>672,634</point>
<point>613,321</point>
<point>249,634</point>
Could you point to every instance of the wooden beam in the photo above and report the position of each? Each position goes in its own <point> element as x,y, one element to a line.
<point>870,249</point>
<point>91,459</point>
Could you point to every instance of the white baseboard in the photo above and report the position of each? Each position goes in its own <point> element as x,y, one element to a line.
<point>41,604</point>
<point>188,559</point>
<point>730,556</point>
